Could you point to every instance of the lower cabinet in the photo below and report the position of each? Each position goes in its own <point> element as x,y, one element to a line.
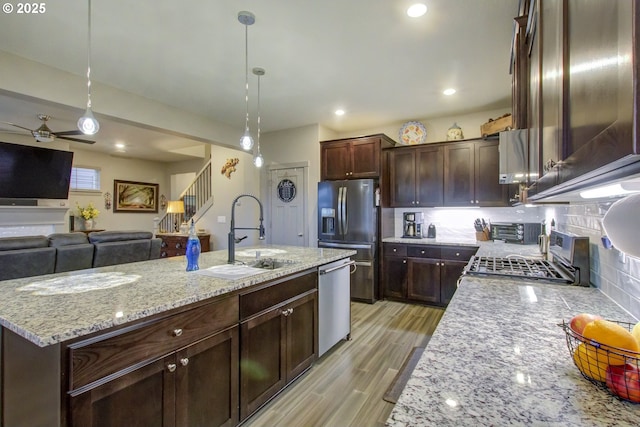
<point>425,274</point>
<point>195,386</point>
<point>279,331</point>
<point>181,370</point>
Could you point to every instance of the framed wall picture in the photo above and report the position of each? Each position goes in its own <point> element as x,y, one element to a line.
<point>133,196</point>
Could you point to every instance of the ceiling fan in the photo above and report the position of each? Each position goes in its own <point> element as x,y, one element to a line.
<point>44,134</point>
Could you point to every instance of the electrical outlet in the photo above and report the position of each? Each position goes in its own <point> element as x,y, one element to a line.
<point>222,219</point>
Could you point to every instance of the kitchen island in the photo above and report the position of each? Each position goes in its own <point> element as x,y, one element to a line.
<point>132,337</point>
<point>498,357</point>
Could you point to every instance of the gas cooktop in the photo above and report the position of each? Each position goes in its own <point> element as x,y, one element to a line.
<point>527,268</point>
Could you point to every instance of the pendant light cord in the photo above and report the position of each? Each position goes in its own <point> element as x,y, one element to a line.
<point>246,74</point>
<point>89,59</point>
<point>258,134</point>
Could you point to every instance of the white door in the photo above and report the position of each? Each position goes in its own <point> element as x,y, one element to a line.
<point>287,196</point>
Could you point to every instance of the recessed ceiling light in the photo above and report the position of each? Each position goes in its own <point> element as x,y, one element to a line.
<point>417,10</point>
<point>449,91</point>
<point>120,145</point>
<point>339,113</point>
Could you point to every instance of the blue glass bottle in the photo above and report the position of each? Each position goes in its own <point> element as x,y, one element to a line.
<point>193,249</point>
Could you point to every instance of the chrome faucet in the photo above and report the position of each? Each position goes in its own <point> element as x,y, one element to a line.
<point>232,233</point>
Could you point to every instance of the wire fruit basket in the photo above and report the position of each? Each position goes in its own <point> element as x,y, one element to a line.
<point>614,369</point>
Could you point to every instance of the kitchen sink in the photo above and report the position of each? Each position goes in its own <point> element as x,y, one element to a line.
<point>240,271</point>
<point>266,252</point>
<point>270,263</point>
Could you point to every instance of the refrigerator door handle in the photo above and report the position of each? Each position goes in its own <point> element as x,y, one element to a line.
<point>340,232</point>
<point>345,217</point>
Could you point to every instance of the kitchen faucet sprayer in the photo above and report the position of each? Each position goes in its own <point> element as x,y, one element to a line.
<point>232,232</point>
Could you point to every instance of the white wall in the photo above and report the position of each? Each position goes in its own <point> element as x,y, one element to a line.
<point>295,146</point>
<point>437,127</point>
<point>118,168</point>
<point>246,180</point>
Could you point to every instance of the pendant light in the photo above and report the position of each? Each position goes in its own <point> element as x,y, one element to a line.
<point>87,124</point>
<point>258,160</point>
<point>246,18</point>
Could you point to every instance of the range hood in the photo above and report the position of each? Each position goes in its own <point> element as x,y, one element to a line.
<point>514,156</point>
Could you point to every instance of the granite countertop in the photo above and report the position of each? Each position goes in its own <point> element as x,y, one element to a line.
<point>498,357</point>
<point>54,308</point>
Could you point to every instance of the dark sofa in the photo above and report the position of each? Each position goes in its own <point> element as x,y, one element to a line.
<point>37,255</point>
<point>26,256</point>
<point>119,247</point>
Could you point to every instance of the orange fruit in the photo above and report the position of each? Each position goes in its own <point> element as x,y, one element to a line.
<point>612,337</point>
<point>636,332</point>
<point>591,362</point>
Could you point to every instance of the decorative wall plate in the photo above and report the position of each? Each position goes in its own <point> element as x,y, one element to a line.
<point>412,133</point>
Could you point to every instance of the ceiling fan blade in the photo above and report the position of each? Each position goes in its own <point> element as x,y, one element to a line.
<point>18,126</point>
<point>85,141</point>
<point>69,132</point>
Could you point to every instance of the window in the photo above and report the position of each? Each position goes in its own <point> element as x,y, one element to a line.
<point>85,179</point>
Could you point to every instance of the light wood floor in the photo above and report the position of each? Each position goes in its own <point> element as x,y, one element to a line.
<point>346,386</point>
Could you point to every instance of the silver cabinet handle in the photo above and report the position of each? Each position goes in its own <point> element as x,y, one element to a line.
<point>177,332</point>
<point>457,253</point>
<point>171,367</point>
<point>184,361</point>
<point>404,261</point>
<point>285,312</point>
<point>290,310</point>
<point>395,250</point>
<point>422,252</point>
<point>437,264</point>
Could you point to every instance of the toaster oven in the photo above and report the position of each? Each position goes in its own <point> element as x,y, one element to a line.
<point>525,233</point>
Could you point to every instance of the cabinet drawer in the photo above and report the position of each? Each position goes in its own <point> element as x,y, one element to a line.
<point>459,253</point>
<point>391,249</point>
<point>98,357</point>
<point>262,299</point>
<point>424,251</point>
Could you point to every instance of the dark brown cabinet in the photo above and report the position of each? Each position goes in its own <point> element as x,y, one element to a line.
<point>461,173</point>
<point>176,244</point>
<point>147,376</point>
<point>416,176</point>
<point>278,338</point>
<point>426,274</point>
<point>471,174</point>
<point>583,122</point>
<point>352,158</point>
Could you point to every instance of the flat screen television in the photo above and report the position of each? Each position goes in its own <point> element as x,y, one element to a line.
<point>28,172</point>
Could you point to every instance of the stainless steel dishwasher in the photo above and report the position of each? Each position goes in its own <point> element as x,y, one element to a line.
<point>334,303</point>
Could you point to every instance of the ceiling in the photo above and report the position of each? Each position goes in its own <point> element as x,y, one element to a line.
<point>364,56</point>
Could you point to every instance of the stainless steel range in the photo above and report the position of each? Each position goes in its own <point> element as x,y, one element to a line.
<point>569,262</point>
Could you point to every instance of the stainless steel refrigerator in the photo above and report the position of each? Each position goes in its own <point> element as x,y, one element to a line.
<point>348,219</point>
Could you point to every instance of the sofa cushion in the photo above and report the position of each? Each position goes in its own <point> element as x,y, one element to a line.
<point>23,242</point>
<point>117,236</point>
<point>65,239</point>
<point>120,252</point>
<point>156,248</point>
<point>27,262</point>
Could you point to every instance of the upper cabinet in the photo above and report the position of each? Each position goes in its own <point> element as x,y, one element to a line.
<point>416,176</point>
<point>461,173</point>
<point>582,102</point>
<point>352,158</point>
<point>471,174</point>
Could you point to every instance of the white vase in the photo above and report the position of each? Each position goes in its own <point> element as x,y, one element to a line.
<point>88,224</point>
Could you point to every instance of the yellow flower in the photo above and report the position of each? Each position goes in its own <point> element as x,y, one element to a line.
<point>88,212</point>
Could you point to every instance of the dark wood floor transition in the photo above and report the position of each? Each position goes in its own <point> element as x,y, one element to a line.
<point>345,388</point>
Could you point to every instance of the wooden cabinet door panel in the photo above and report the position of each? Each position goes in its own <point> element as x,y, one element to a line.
<point>402,178</point>
<point>459,174</point>
<point>262,346</point>
<point>489,192</point>
<point>429,176</point>
<point>207,382</point>
<point>141,398</point>
<point>395,277</point>
<point>302,326</point>
<point>336,160</point>
<point>451,272</point>
<point>365,156</point>
<point>423,283</point>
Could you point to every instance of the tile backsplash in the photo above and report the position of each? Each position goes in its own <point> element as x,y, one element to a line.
<point>615,273</point>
